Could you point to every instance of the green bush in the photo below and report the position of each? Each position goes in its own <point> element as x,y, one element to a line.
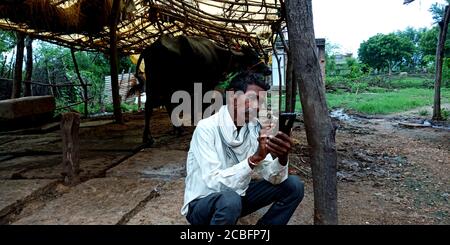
<point>445,114</point>
<point>129,107</point>
<point>423,113</point>
<point>109,108</point>
<point>358,87</point>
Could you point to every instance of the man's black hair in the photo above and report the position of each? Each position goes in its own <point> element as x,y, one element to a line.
<point>241,81</point>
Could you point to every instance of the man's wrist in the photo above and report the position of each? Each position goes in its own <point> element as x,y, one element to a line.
<point>255,159</point>
<point>251,163</point>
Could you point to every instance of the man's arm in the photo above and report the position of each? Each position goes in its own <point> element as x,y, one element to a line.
<point>236,177</point>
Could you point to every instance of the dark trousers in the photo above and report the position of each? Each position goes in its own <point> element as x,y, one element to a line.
<point>226,207</point>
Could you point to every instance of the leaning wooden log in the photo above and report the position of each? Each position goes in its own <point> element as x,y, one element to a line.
<point>26,112</point>
<point>320,131</point>
<point>414,125</point>
<point>70,124</point>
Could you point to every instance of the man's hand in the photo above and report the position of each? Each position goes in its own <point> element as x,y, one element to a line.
<point>280,146</point>
<point>263,138</point>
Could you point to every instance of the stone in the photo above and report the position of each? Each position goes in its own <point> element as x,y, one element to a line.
<point>153,163</point>
<point>15,192</point>
<point>97,201</point>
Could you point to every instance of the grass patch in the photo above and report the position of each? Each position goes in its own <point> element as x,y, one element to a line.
<point>410,82</point>
<point>386,103</point>
<point>383,102</point>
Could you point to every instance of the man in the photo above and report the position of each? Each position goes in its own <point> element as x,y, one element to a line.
<point>225,150</point>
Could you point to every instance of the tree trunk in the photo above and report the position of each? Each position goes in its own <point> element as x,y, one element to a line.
<point>291,86</point>
<point>49,80</point>
<point>114,61</point>
<point>389,68</point>
<point>443,25</point>
<point>70,124</point>
<point>83,84</point>
<point>29,65</point>
<point>11,64</point>
<point>3,66</point>
<point>319,129</point>
<point>17,83</point>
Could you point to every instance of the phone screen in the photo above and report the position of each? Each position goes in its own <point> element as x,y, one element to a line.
<point>286,122</point>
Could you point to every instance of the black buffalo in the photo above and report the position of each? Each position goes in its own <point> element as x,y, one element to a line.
<point>176,63</point>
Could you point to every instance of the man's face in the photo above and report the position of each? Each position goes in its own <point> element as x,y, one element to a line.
<point>246,105</point>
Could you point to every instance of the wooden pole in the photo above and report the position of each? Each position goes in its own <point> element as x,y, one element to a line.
<point>29,65</point>
<point>443,26</point>
<point>83,84</point>
<point>70,124</point>
<point>2,70</point>
<point>321,52</point>
<point>11,64</point>
<point>17,82</point>
<point>114,61</point>
<point>291,86</point>
<point>319,129</point>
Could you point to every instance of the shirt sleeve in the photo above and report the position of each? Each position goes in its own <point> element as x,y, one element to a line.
<point>272,171</point>
<point>236,177</point>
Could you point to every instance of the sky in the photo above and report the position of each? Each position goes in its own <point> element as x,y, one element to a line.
<point>348,23</point>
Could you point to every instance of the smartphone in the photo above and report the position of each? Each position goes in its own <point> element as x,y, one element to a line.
<point>286,122</point>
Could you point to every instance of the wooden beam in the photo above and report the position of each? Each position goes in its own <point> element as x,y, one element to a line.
<point>443,27</point>
<point>29,65</point>
<point>70,124</point>
<point>17,82</point>
<point>114,60</point>
<point>83,84</point>
<point>319,129</point>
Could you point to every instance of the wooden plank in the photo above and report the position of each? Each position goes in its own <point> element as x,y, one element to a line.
<point>26,106</point>
<point>414,125</point>
<point>70,124</point>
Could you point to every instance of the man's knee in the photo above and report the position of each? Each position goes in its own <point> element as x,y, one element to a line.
<point>294,187</point>
<point>230,201</point>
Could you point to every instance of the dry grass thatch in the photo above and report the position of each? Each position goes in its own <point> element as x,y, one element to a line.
<point>83,16</point>
<point>84,24</point>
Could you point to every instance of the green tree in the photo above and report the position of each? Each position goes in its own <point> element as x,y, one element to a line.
<point>354,67</point>
<point>54,64</point>
<point>331,49</point>
<point>385,51</point>
<point>415,35</point>
<point>441,15</point>
<point>7,41</point>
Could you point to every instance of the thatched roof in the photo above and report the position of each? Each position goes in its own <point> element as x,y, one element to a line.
<point>83,24</point>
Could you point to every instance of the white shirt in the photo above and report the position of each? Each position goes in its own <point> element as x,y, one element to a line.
<point>210,169</point>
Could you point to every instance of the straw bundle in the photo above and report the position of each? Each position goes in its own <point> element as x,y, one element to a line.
<point>83,16</point>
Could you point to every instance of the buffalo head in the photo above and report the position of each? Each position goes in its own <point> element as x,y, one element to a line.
<point>247,59</point>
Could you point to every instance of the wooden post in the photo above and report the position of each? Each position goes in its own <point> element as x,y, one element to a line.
<point>17,83</point>
<point>11,64</point>
<point>83,84</point>
<point>114,61</point>
<point>2,70</point>
<point>319,129</point>
<point>70,124</point>
<point>320,42</point>
<point>29,65</point>
<point>443,26</point>
<point>280,82</point>
<point>291,86</point>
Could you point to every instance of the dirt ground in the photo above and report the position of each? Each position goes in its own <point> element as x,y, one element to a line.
<point>387,174</point>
